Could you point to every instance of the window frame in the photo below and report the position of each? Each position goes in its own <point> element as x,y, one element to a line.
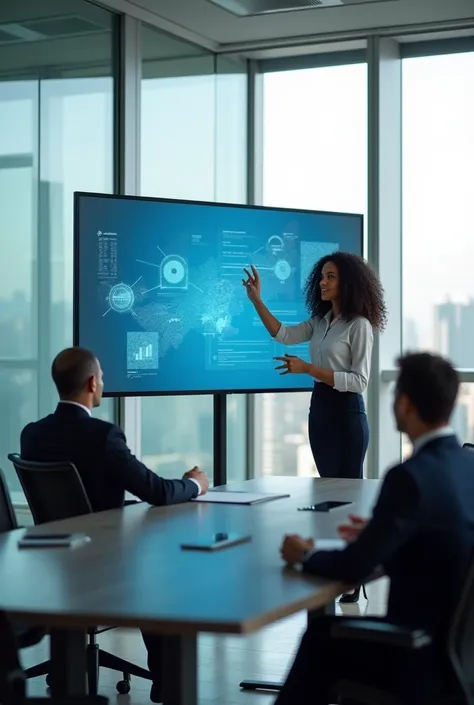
<point>39,361</point>
<point>257,71</point>
<point>384,56</point>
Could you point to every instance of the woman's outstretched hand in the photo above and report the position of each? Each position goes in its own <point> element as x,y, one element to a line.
<point>292,365</point>
<point>252,284</point>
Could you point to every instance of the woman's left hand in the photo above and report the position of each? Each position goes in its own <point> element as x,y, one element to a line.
<point>292,365</point>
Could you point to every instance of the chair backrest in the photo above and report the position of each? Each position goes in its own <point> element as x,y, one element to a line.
<point>53,490</point>
<point>461,638</point>
<point>8,520</point>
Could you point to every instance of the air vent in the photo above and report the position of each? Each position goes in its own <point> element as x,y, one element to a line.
<point>62,26</point>
<point>47,28</point>
<point>249,8</point>
<point>246,8</point>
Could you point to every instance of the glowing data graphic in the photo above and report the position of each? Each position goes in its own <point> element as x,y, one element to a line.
<point>121,298</point>
<point>142,351</point>
<point>160,298</point>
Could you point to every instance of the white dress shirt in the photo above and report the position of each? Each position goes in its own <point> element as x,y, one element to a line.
<point>421,441</point>
<point>345,347</point>
<point>76,403</point>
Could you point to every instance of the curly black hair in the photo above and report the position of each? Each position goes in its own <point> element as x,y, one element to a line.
<point>361,293</point>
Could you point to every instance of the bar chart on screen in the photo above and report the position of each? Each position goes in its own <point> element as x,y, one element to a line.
<point>142,351</point>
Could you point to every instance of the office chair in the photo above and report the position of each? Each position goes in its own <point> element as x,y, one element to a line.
<point>8,520</point>
<point>468,446</point>
<point>12,677</point>
<point>55,491</point>
<point>29,636</point>
<point>460,651</point>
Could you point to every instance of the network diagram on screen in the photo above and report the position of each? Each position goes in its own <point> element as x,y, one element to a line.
<point>159,295</point>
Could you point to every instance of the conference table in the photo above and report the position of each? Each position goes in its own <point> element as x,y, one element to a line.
<point>133,573</point>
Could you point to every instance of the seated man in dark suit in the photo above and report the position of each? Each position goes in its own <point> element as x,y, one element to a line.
<point>100,453</point>
<point>422,533</point>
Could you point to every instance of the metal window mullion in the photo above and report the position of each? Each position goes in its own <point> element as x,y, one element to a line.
<point>254,197</point>
<point>384,234</point>
<point>44,225</point>
<point>128,114</point>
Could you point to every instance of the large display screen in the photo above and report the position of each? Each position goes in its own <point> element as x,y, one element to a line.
<point>158,293</point>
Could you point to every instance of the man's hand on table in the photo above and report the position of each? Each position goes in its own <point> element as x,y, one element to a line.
<point>198,476</point>
<point>294,548</point>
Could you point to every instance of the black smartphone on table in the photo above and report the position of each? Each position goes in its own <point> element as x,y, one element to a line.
<point>73,540</point>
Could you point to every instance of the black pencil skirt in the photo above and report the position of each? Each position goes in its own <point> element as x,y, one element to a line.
<point>338,432</point>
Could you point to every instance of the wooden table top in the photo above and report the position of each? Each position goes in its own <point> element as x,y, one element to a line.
<point>134,573</point>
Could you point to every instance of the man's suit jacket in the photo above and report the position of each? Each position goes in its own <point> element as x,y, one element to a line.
<point>100,453</point>
<point>421,532</point>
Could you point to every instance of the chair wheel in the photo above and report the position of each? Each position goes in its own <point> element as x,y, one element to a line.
<point>49,680</point>
<point>123,687</point>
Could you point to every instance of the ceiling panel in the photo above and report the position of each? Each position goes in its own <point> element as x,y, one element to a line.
<point>206,20</point>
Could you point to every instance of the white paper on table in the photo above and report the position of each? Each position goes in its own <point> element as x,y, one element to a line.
<point>234,497</point>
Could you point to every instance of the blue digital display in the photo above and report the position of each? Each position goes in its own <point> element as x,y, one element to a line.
<point>158,293</point>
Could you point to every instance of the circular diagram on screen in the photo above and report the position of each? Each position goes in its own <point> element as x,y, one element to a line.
<point>275,243</point>
<point>121,298</point>
<point>174,272</point>
<point>282,270</point>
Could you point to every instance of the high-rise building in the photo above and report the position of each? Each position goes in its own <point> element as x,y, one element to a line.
<point>410,335</point>
<point>284,420</point>
<point>454,332</point>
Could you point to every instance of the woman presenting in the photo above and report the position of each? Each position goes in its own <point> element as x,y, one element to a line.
<point>346,302</point>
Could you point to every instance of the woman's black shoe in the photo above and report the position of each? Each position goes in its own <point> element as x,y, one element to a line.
<point>348,598</point>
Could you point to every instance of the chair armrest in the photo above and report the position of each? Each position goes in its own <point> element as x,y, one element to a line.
<point>380,633</point>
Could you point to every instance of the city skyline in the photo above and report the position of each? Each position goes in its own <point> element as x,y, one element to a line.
<point>185,436</point>
<point>315,157</point>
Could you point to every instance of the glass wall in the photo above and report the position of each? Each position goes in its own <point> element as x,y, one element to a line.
<point>56,136</point>
<point>314,157</point>
<point>438,192</point>
<point>193,137</point>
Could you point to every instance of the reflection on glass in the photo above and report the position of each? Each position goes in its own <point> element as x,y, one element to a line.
<point>462,419</point>
<point>56,136</point>
<point>438,191</point>
<point>17,206</point>
<point>236,437</point>
<point>177,434</point>
<point>177,118</point>
<point>181,155</point>
<point>315,157</point>
<point>18,404</point>
<point>76,154</point>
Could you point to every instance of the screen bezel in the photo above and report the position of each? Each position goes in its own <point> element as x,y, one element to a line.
<point>78,195</point>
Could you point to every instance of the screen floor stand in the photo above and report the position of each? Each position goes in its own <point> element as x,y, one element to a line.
<point>220,439</point>
<point>273,685</point>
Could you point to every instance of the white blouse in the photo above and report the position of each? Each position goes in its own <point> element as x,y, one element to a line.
<point>345,347</point>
